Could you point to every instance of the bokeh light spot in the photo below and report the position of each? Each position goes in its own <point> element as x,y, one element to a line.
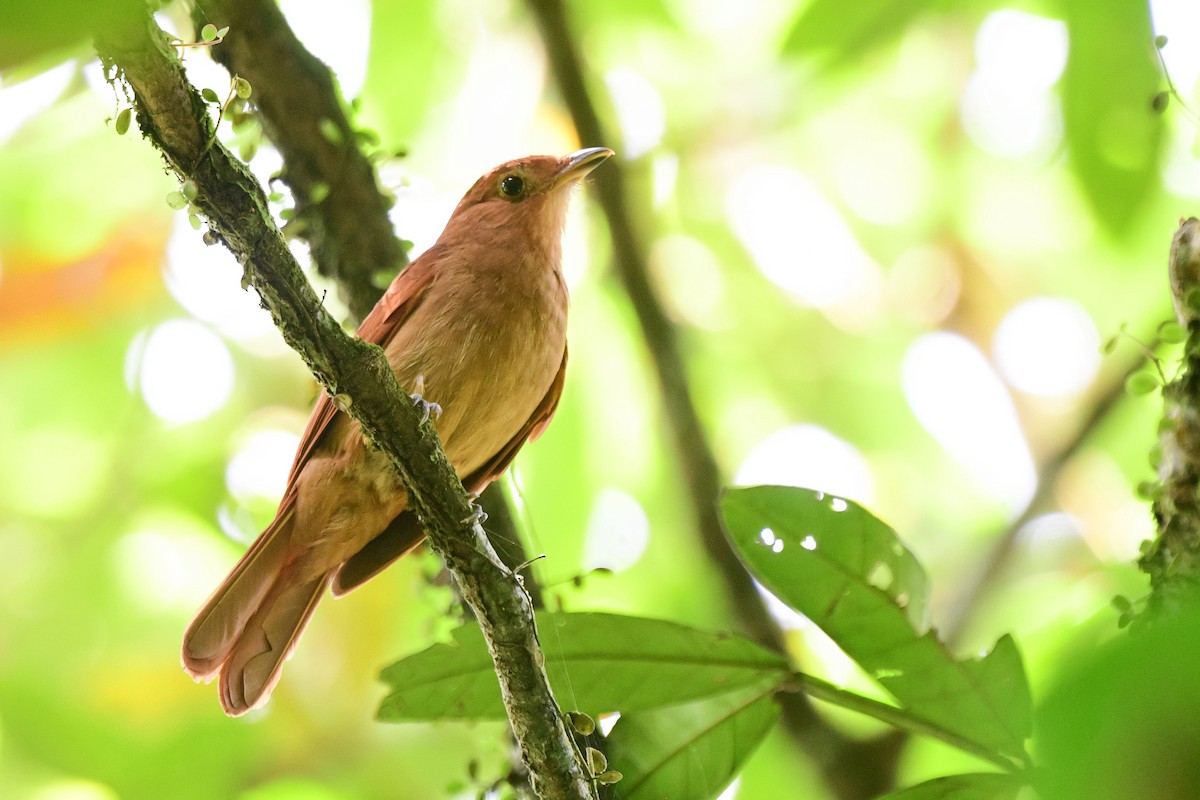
<point>799,239</point>
<point>341,40</point>
<point>20,101</point>
<point>962,403</point>
<point>260,466</point>
<point>74,789</point>
<point>811,457</point>
<point>640,112</point>
<point>170,561</point>
<point>1007,107</point>
<point>207,282</point>
<point>689,279</point>
<point>186,372</point>
<point>617,532</point>
<point>1029,50</point>
<point>1047,346</point>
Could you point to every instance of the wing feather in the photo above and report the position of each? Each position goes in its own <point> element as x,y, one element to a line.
<point>405,533</point>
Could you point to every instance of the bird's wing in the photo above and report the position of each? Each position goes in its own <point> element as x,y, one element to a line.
<point>397,304</point>
<point>478,480</point>
<point>405,532</point>
<point>254,589</point>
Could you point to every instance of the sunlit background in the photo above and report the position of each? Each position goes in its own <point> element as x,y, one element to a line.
<point>890,287</point>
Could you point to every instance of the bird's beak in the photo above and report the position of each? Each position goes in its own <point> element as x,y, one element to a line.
<point>580,163</point>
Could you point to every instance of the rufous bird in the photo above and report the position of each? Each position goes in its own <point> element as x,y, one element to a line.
<point>477,326</point>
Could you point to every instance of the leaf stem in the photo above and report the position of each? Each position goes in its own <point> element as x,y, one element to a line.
<point>898,718</point>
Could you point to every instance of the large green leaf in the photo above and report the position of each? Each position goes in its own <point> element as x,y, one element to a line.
<point>1110,80</point>
<point>1122,720</point>
<point>970,786</point>
<point>834,562</point>
<point>690,751</point>
<point>838,30</point>
<point>596,663</point>
<point>31,29</point>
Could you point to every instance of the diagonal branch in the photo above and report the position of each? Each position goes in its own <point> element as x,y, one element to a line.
<point>174,117</point>
<point>340,211</point>
<point>852,769</point>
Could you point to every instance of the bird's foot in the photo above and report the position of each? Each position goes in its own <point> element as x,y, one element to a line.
<point>427,408</point>
<point>478,515</point>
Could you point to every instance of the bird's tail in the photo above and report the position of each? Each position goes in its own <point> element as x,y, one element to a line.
<point>251,623</point>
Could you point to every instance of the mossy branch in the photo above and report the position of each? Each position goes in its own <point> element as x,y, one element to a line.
<point>1172,559</point>
<point>174,117</point>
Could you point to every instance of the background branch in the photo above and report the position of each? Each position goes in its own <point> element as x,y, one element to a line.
<point>175,118</point>
<point>853,769</point>
<point>345,223</point>
<point>963,610</point>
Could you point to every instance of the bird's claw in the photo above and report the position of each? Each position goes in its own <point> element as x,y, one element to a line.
<point>478,515</point>
<point>428,409</point>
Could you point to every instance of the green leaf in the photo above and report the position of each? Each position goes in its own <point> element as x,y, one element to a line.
<point>242,88</point>
<point>596,663</point>
<point>1142,382</point>
<point>840,31</point>
<point>221,33</point>
<point>1121,720</point>
<point>834,562</point>
<point>969,786</point>
<point>208,33</point>
<point>690,751</point>
<point>609,777</point>
<point>29,31</point>
<point>176,200</point>
<point>1114,135</point>
<point>1171,333</point>
<point>209,95</point>
<point>122,123</point>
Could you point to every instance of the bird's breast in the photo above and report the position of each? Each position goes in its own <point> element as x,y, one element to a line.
<point>486,350</point>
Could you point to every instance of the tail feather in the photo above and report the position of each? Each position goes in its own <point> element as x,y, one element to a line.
<point>217,626</point>
<point>251,623</point>
<point>254,661</point>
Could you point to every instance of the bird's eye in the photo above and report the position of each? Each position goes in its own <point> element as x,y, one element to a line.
<point>512,186</point>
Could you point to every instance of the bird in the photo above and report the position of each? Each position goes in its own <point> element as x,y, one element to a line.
<point>476,329</point>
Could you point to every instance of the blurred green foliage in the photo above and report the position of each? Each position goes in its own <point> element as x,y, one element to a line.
<point>951,205</point>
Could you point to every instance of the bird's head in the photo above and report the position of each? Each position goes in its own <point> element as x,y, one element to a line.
<point>526,196</point>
